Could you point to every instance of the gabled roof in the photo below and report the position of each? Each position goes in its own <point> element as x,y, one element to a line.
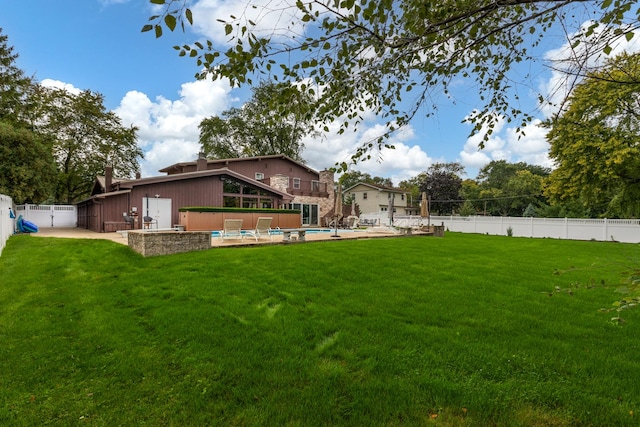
<point>179,166</point>
<point>124,186</point>
<point>100,184</point>
<point>200,174</point>
<point>377,187</point>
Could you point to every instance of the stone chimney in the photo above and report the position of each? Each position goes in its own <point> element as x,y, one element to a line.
<point>326,182</point>
<point>201,164</point>
<point>108,178</point>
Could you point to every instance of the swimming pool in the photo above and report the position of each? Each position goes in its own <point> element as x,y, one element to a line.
<point>277,231</point>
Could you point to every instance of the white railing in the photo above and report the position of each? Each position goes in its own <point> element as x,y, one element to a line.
<point>6,222</point>
<point>621,230</point>
<point>47,216</point>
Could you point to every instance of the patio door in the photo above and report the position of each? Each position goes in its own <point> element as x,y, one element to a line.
<point>308,213</point>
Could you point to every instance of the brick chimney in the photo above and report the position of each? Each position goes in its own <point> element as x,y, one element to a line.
<point>201,165</point>
<point>108,178</point>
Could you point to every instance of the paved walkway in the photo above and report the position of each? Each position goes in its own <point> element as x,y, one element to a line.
<point>80,233</point>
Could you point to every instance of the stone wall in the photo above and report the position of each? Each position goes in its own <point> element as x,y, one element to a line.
<point>279,182</point>
<point>168,242</point>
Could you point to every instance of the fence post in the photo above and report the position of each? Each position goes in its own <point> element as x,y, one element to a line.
<point>606,230</point>
<point>531,227</point>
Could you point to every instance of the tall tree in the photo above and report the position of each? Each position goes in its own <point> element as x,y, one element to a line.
<point>256,130</point>
<point>443,182</point>
<point>595,142</point>
<point>393,56</point>
<point>508,188</point>
<point>27,171</point>
<point>86,138</point>
<point>26,164</point>
<point>412,185</point>
<point>14,84</point>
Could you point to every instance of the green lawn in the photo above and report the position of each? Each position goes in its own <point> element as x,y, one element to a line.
<point>454,331</point>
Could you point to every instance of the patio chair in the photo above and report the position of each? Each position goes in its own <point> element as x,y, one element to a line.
<point>148,222</point>
<point>232,229</point>
<point>128,220</point>
<point>263,228</point>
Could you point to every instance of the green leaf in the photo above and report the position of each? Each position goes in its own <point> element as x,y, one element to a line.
<point>146,28</point>
<point>629,36</point>
<point>157,1</point>
<point>228,28</point>
<point>189,15</point>
<point>170,22</point>
<point>158,29</point>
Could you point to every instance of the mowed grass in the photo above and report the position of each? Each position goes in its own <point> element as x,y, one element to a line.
<point>454,331</point>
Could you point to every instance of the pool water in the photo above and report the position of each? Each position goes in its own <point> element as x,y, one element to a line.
<point>309,231</point>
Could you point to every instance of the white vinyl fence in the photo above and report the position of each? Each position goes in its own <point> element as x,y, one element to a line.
<point>621,230</point>
<point>6,222</point>
<point>47,216</point>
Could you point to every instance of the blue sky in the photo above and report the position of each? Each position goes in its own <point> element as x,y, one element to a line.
<point>97,45</point>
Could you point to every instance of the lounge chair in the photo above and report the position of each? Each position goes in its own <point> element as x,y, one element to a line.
<point>263,228</point>
<point>232,229</point>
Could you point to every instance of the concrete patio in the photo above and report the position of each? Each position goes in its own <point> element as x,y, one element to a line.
<point>372,232</point>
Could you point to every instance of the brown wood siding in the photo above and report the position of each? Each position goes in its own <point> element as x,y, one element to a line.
<point>189,192</point>
<point>112,208</point>
<point>90,215</point>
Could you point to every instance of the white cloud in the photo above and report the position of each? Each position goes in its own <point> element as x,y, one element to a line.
<point>168,130</point>
<point>60,85</point>
<point>401,163</point>
<point>272,18</point>
<point>507,143</point>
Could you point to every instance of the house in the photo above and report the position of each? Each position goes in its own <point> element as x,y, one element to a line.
<point>372,198</point>
<point>277,182</point>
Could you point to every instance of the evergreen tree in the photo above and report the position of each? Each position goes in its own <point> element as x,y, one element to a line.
<point>27,171</point>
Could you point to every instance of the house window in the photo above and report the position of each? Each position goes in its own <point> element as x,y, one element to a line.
<point>231,202</point>
<point>249,203</point>
<point>315,185</point>
<point>296,183</point>
<point>249,190</point>
<point>259,176</point>
<point>364,196</point>
<point>402,197</point>
<point>230,186</point>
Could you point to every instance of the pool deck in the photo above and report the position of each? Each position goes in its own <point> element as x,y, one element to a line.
<point>372,232</point>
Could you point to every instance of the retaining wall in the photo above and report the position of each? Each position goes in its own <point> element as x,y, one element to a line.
<point>168,242</point>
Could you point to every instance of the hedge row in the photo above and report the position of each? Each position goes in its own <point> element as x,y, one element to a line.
<point>244,210</point>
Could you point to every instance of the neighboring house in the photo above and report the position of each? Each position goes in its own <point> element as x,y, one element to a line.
<point>277,182</point>
<point>372,198</point>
